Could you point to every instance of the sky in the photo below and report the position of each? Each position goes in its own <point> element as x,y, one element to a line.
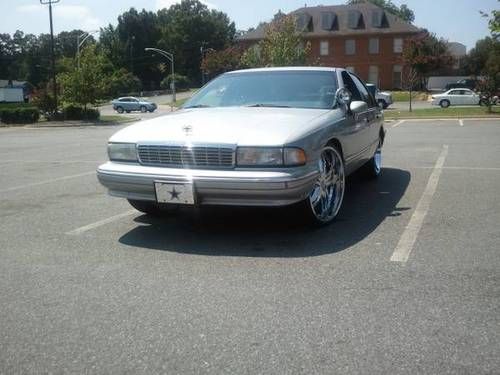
<point>454,20</point>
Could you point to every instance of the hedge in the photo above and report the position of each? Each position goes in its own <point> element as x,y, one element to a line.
<point>73,112</point>
<point>19,115</point>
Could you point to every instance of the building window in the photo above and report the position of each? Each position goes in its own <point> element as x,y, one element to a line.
<point>373,46</point>
<point>329,21</point>
<point>373,74</point>
<point>397,77</point>
<point>323,48</point>
<point>350,47</point>
<point>398,45</point>
<point>350,69</point>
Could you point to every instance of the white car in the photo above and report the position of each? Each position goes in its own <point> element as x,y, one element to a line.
<point>456,97</point>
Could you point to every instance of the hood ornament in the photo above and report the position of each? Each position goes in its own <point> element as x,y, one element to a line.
<point>187,129</point>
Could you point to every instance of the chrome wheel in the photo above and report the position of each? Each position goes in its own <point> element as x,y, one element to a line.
<point>327,194</point>
<point>377,160</point>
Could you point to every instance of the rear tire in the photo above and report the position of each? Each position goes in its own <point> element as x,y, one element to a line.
<point>119,109</point>
<point>382,104</point>
<point>444,103</point>
<point>143,109</point>
<point>373,168</point>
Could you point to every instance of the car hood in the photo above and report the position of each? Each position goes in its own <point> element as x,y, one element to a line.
<point>231,125</point>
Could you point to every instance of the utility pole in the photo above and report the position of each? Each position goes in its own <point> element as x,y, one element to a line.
<point>170,57</point>
<point>53,57</point>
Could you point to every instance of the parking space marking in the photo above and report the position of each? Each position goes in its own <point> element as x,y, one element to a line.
<point>409,236</point>
<point>19,187</point>
<point>398,123</point>
<point>100,223</point>
<point>461,122</point>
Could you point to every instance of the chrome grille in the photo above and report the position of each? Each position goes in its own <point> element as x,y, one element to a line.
<point>183,156</point>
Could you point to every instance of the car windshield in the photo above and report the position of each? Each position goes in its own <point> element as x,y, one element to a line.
<point>293,88</point>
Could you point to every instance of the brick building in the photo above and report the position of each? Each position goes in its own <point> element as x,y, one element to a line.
<point>363,38</point>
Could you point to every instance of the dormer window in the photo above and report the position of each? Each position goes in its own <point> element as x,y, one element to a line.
<point>329,21</point>
<point>379,19</point>
<point>304,22</point>
<point>355,20</point>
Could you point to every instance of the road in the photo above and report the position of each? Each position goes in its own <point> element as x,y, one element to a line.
<point>405,281</point>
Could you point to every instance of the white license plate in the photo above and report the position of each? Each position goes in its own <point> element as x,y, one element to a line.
<point>180,193</point>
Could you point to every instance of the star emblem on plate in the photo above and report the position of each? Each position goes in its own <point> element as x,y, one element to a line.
<point>174,194</point>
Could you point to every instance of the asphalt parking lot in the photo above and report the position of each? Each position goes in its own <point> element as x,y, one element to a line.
<point>406,281</point>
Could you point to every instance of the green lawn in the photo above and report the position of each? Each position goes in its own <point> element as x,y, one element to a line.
<point>458,112</point>
<point>404,96</point>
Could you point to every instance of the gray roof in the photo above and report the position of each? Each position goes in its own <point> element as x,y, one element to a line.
<point>338,20</point>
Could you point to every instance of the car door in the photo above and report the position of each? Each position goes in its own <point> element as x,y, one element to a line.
<point>470,98</point>
<point>373,115</point>
<point>357,130</point>
<point>454,97</point>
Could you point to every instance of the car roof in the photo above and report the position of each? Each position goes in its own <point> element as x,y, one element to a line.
<point>287,69</point>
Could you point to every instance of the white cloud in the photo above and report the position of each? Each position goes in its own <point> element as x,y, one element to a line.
<point>79,16</point>
<point>160,4</point>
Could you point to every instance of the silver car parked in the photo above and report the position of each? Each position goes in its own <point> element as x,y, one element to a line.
<point>259,137</point>
<point>129,104</point>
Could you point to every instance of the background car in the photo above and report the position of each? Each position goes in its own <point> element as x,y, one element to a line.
<point>129,104</point>
<point>456,97</point>
<point>383,98</point>
<point>467,83</point>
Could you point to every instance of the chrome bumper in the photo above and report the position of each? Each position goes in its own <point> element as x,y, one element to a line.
<point>217,187</point>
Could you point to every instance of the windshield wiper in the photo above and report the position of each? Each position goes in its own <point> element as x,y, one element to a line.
<point>198,106</point>
<point>268,105</point>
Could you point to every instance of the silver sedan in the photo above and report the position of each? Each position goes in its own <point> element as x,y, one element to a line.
<point>259,137</point>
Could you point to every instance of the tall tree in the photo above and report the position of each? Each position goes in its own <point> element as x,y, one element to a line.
<point>402,11</point>
<point>187,27</point>
<point>422,55</point>
<point>283,45</point>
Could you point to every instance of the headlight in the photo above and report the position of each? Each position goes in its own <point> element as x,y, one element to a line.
<point>269,156</point>
<point>122,151</point>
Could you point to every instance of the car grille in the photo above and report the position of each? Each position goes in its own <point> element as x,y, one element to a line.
<point>183,156</point>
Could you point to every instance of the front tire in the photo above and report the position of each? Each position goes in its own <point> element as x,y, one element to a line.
<point>325,199</point>
<point>373,168</point>
<point>382,104</point>
<point>143,109</point>
<point>119,109</point>
<point>444,103</point>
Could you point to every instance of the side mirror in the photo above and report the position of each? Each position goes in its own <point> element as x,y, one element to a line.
<point>343,97</point>
<point>358,107</point>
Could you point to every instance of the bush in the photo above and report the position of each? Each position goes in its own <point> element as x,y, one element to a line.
<point>74,112</point>
<point>19,115</point>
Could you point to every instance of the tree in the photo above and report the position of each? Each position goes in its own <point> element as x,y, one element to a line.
<point>402,12</point>
<point>88,84</point>
<point>494,22</point>
<point>423,55</point>
<point>217,62</point>
<point>190,25</point>
<point>283,45</point>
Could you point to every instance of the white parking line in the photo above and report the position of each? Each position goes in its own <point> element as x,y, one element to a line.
<point>409,236</point>
<point>399,123</point>
<point>461,122</point>
<point>100,223</point>
<point>47,182</point>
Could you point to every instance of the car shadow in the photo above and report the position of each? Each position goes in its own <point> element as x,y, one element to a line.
<point>274,232</point>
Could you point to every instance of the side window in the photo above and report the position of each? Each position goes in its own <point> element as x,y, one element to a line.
<point>365,94</point>
<point>351,86</point>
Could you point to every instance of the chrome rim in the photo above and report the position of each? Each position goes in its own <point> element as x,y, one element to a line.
<point>328,190</point>
<point>377,158</point>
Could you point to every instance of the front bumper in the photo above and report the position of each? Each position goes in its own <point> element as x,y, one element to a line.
<point>217,187</point>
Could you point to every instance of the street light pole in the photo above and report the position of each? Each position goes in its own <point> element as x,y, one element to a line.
<point>79,43</point>
<point>170,57</point>
<point>54,83</point>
